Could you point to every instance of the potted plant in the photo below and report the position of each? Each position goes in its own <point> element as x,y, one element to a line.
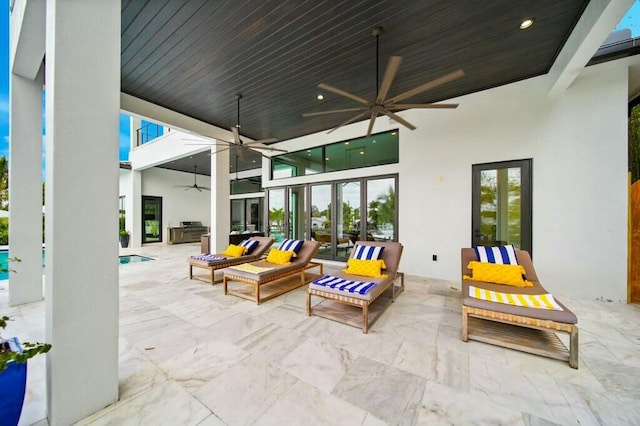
<point>124,238</point>
<point>13,370</point>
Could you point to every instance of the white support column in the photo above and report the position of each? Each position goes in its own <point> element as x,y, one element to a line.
<point>82,121</point>
<point>25,190</point>
<point>220,204</point>
<point>134,210</point>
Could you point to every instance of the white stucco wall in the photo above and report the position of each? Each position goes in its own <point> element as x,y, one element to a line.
<point>177,204</point>
<point>578,143</point>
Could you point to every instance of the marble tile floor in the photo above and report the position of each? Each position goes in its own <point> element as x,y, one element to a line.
<point>191,356</point>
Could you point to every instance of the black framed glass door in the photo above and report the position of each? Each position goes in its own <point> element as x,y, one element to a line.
<point>501,203</point>
<point>151,219</point>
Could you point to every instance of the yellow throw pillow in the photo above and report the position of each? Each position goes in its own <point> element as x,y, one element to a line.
<point>366,268</point>
<point>234,251</point>
<point>499,274</point>
<point>279,257</point>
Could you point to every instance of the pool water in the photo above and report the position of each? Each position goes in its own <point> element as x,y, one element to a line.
<point>133,258</point>
<point>5,264</point>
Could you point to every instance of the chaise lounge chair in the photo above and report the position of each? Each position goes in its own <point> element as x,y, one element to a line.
<point>525,328</point>
<point>213,262</point>
<point>269,280</point>
<point>342,292</point>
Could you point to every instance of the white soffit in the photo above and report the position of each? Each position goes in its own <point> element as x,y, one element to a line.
<point>596,23</point>
<point>27,37</point>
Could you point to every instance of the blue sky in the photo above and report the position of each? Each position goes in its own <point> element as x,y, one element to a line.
<point>631,21</point>
<point>4,91</point>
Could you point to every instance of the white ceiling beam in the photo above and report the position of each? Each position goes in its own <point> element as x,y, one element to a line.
<point>147,110</point>
<point>596,23</point>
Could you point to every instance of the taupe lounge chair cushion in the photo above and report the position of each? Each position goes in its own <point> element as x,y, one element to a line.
<point>524,259</point>
<point>391,255</point>
<point>305,254</point>
<point>263,244</point>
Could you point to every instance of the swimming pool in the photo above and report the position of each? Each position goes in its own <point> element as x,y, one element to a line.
<point>4,261</point>
<point>133,258</point>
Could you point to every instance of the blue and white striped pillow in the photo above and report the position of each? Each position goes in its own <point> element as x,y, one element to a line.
<point>291,245</point>
<point>250,245</point>
<point>367,252</point>
<point>505,255</point>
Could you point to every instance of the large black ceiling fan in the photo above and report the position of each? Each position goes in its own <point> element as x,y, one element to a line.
<point>238,142</point>
<point>195,183</point>
<point>381,104</point>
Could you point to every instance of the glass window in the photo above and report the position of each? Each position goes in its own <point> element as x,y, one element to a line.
<point>246,186</point>
<point>299,163</point>
<point>237,216</point>
<point>375,150</point>
<point>381,209</point>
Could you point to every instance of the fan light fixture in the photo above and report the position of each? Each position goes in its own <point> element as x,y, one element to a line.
<point>381,104</point>
<point>526,24</point>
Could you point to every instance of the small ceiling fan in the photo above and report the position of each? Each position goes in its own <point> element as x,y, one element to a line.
<point>195,183</point>
<point>381,104</point>
<point>238,141</point>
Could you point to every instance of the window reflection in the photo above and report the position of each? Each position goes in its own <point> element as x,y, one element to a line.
<point>375,150</point>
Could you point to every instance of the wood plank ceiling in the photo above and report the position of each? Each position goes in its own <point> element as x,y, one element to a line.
<point>194,56</point>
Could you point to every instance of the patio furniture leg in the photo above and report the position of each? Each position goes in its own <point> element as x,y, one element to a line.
<point>257,293</point>
<point>465,324</point>
<point>308,304</point>
<point>224,284</point>
<point>190,272</point>
<point>213,272</point>
<point>365,318</point>
<point>573,347</point>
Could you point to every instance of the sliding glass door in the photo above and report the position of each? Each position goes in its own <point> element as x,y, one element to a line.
<point>297,218</point>
<point>348,216</point>
<point>336,214</point>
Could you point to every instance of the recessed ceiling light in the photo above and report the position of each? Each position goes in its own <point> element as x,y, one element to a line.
<point>526,24</point>
<point>320,97</point>
<point>393,133</point>
<point>362,152</point>
<point>254,161</point>
<point>326,158</point>
<point>346,143</point>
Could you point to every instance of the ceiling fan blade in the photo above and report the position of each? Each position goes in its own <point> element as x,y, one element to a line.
<point>268,148</point>
<point>259,153</point>
<point>236,134</point>
<point>399,119</point>
<point>311,114</point>
<point>351,120</point>
<point>429,106</point>
<point>268,140</point>
<point>389,75</point>
<point>426,86</point>
<point>222,150</point>
<point>343,93</point>
<point>259,141</point>
<point>374,114</point>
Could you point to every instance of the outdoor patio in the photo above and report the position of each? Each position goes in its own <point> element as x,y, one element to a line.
<point>191,356</point>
